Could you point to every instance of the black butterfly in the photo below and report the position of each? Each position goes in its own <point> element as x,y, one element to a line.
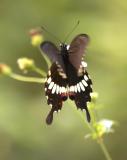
<point>67,76</point>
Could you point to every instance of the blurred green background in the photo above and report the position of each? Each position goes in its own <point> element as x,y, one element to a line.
<point>23,132</point>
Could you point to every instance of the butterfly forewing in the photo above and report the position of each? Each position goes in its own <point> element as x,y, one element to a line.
<point>77,49</point>
<point>81,89</point>
<point>52,52</point>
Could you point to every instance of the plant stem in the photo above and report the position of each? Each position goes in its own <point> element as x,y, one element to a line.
<point>27,79</point>
<point>39,71</point>
<point>99,140</point>
<point>92,129</point>
<point>82,115</point>
<point>104,149</point>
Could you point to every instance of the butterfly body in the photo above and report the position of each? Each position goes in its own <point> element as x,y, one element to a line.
<point>67,77</point>
<point>70,71</point>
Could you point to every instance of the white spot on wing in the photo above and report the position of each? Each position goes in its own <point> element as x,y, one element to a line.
<point>57,89</point>
<point>63,75</point>
<point>51,85</point>
<point>63,89</point>
<point>78,87</point>
<point>72,88</point>
<point>54,89</point>
<point>84,83</point>
<point>84,64</point>
<point>49,80</point>
<point>82,87</point>
<point>86,78</point>
<point>60,89</point>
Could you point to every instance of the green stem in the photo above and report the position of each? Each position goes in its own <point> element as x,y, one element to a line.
<point>39,71</point>
<point>99,140</point>
<point>104,149</point>
<point>27,79</point>
<point>91,110</point>
<point>82,115</point>
<point>92,129</point>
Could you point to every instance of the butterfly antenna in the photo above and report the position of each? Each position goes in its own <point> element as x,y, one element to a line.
<point>56,38</point>
<point>71,31</point>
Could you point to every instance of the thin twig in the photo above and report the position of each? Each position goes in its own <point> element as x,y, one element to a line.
<point>92,129</point>
<point>27,79</point>
<point>104,149</point>
<point>39,71</point>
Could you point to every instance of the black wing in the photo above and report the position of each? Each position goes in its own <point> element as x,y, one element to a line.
<point>80,86</point>
<point>52,52</point>
<point>55,91</point>
<point>77,48</point>
<point>80,92</point>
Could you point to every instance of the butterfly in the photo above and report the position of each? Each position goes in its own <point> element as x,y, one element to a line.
<point>67,76</point>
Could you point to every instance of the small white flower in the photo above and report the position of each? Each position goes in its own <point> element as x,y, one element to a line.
<point>107,125</point>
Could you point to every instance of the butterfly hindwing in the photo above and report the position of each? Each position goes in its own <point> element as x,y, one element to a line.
<point>82,97</point>
<point>77,48</point>
<point>79,91</point>
<point>55,90</point>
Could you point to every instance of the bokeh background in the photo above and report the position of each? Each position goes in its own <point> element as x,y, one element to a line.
<point>23,132</point>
